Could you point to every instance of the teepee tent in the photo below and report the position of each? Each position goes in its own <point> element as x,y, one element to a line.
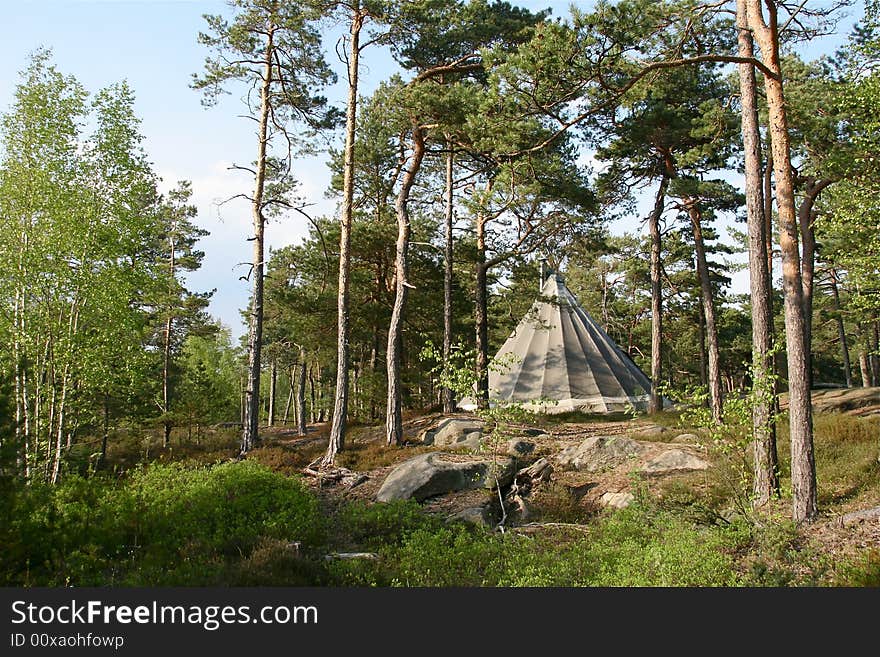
<point>559,359</point>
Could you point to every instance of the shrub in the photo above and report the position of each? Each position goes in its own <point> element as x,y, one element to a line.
<point>165,524</point>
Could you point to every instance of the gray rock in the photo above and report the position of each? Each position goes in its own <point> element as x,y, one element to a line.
<point>519,447</point>
<point>436,473</point>
<point>651,430</point>
<point>597,453</point>
<point>454,432</point>
<point>686,438</point>
<point>674,460</point>
<point>616,500</point>
<point>478,515</point>
<point>859,516</point>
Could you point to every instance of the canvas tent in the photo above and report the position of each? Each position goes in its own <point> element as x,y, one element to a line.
<point>559,359</point>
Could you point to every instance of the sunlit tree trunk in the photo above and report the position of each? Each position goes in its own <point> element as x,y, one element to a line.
<point>803,467</point>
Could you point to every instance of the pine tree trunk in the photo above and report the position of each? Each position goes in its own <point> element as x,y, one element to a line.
<point>806,216</point>
<point>313,396</point>
<point>250,433</point>
<point>765,464</point>
<point>289,403</point>
<point>875,347</point>
<point>340,404</point>
<point>656,403</point>
<point>481,320</point>
<point>448,396</point>
<point>166,350</point>
<point>803,467</point>
<point>273,381</point>
<point>841,332</point>
<point>301,395</point>
<point>394,411</point>
<point>715,400</point>
<point>865,369</point>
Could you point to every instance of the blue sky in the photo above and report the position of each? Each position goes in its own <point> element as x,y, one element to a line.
<point>153,44</point>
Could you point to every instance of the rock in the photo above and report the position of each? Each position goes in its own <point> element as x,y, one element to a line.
<point>859,516</point>
<point>673,460</point>
<point>470,441</point>
<point>531,433</point>
<point>616,500</point>
<point>478,515</point>
<point>651,430</point>
<point>597,453</point>
<point>519,447</point>
<point>436,473</point>
<point>686,438</point>
<point>540,470</point>
<point>454,432</point>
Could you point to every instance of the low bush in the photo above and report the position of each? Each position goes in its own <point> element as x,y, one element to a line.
<point>164,524</point>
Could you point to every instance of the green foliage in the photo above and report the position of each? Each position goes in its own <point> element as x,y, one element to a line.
<point>209,378</point>
<point>372,526</point>
<point>730,441</point>
<point>457,373</point>
<point>861,571</point>
<point>162,525</point>
<point>634,547</point>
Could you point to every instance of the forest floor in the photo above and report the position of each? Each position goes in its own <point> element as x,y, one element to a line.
<point>849,518</point>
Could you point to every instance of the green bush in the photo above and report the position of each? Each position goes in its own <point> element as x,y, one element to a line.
<point>165,524</point>
<point>633,547</point>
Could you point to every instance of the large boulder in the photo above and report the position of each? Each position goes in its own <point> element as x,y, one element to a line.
<point>454,432</point>
<point>672,461</point>
<point>597,453</point>
<point>435,473</point>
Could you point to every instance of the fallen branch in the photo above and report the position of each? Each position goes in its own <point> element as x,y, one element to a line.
<point>372,556</point>
<point>553,525</point>
<point>343,475</point>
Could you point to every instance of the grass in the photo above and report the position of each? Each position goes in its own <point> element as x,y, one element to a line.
<point>194,518</point>
<point>847,467</point>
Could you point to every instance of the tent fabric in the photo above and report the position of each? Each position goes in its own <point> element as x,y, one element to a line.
<point>558,359</point>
